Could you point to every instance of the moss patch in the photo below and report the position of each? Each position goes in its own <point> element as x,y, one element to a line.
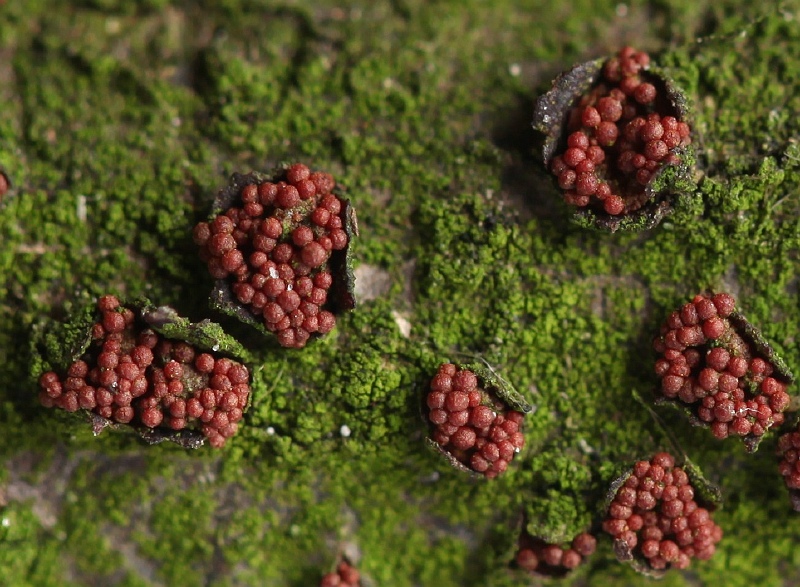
<point>122,119</point>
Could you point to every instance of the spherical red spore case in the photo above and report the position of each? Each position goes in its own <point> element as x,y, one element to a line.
<point>759,347</point>
<point>707,495</point>
<point>342,291</point>
<point>496,389</point>
<point>551,115</point>
<point>56,345</point>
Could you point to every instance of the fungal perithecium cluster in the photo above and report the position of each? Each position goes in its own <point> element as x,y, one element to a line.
<point>655,515</point>
<point>789,455</point>
<point>274,248</point>
<point>471,423</point>
<point>538,556</point>
<point>132,375</point>
<point>705,364</point>
<point>345,576</point>
<point>619,134</point>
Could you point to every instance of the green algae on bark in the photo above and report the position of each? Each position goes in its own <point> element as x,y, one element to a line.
<point>404,98</point>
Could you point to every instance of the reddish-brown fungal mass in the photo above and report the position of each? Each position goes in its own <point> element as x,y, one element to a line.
<point>705,364</point>
<point>619,136</point>
<point>654,513</point>
<point>274,248</point>
<point>344,576</point>
<point>479,431</point>
<point>133,375</point>
<point>789,454</point>
<point>538,556</point>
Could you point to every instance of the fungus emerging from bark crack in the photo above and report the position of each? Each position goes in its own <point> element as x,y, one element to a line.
<point>345,576</point>
<point>131,374</point>
<point>788,453</point>
<point>279,249</point>
<point>613,130</point>
<point>537,556</point>
<point>654,518</point>
<point>4,184</point>
<point>719,367</point>
<point>477,419</point>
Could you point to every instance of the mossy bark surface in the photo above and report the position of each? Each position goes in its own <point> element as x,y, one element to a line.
<point>120,120</point>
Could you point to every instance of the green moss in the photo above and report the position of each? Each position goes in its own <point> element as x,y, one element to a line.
<point>55,345</point>
<point>31,555</point>
<point>185,521</point>
<point>559,509</point>
<point>120,122</point>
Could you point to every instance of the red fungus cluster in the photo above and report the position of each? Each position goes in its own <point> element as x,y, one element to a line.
<point>537,556</point>
<point>618,139</point>
<point>655,515</point>
<point>789,454</point>
<point>275,248</point>
<point>470,425</point>
<point>705,364</point>
<point>3,184</point>
<point>133,375</point>
<point>344,576</point>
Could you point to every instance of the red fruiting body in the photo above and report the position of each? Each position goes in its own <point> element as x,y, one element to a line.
<point>272,247</point>
<point>665,531</point>
<point>345,576</point>
<point>789,464</point>
<point>537,556</point>
<point>625,132</point>
<point>706,365</point>
<point>135,376</point>
<point>480,437</point>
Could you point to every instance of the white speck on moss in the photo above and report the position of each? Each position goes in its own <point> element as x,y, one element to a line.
<point>113,26</point>
<point>345,431</point>
<point>402,324</point>
<point>514,69</point>
<point>585,447</point>
<point>81,208</point>
<point>432,478</point>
